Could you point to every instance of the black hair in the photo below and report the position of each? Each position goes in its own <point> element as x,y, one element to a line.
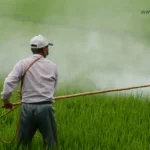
<point>37,50</point>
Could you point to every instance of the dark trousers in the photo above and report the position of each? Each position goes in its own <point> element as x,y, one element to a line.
<point>37,116</point>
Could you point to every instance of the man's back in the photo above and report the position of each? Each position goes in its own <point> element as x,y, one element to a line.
<point>40,80</point>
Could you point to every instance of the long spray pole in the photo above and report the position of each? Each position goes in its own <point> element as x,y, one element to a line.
<point>95,92</point>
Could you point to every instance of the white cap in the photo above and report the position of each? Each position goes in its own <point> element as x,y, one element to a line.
<point>39,41</point>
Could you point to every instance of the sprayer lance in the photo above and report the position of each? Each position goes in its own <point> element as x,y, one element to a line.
<point>91,93</point>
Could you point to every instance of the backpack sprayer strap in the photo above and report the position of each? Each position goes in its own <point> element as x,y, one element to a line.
<point>22,79</point>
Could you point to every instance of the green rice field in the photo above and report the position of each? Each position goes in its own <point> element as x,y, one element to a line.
<point>99,122</point>
<point>98,44</point>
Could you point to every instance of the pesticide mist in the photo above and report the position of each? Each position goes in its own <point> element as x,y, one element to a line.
<point>96,43</point>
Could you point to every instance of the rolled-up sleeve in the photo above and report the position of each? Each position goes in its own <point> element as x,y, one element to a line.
<point>12,81</point>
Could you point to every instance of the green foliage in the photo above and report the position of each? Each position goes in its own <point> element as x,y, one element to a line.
<point>98,122</point>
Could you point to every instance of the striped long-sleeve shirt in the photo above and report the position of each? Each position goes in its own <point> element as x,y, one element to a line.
<point>39,83</point>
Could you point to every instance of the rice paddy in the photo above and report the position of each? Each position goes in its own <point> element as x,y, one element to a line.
<point>99,122</point>
<point>97,45</point>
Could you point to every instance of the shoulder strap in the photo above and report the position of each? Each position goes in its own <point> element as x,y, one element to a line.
<point>22,79</point>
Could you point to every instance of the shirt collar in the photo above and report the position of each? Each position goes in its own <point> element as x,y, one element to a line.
<point>36,55</point>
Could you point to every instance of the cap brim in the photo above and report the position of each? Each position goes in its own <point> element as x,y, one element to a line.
<point>50,44</point>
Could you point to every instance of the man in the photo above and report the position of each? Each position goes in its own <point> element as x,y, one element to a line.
<point>39,81</point>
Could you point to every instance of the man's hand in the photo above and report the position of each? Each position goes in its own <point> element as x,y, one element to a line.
<point>7,104</point>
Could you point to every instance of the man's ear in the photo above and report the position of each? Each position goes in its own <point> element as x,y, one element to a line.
<point>45,51</point>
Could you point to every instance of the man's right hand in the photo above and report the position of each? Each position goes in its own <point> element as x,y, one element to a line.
<point>7,104</point>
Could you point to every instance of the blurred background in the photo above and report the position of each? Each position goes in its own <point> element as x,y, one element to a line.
<point>97,43</point>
